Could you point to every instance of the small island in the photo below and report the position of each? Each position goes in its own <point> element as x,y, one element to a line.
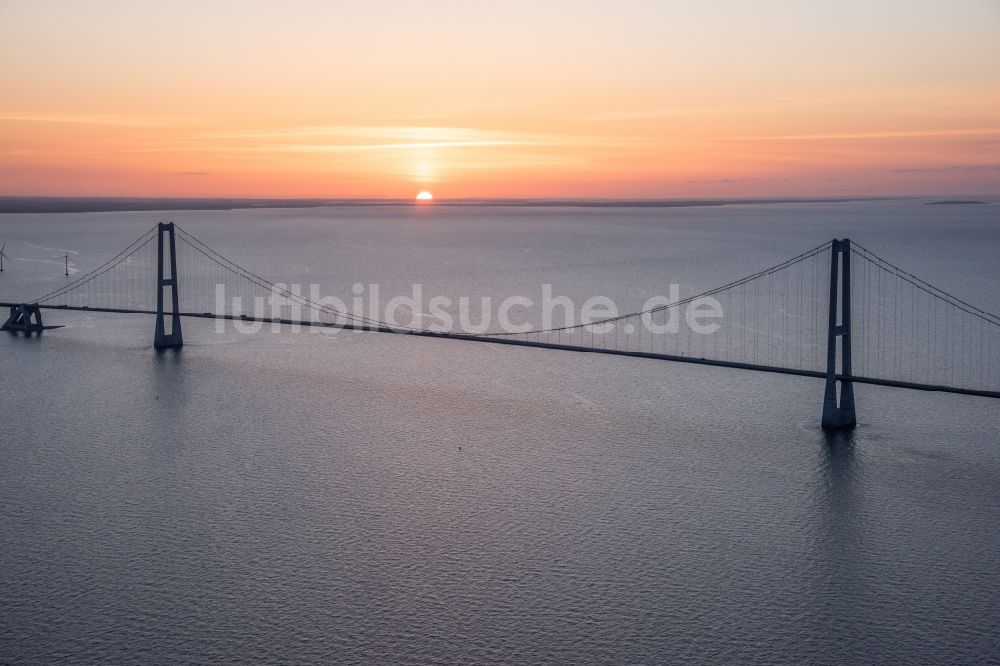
<point>955,202</point>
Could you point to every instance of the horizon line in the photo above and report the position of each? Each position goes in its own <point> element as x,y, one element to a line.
<point>10,204</point>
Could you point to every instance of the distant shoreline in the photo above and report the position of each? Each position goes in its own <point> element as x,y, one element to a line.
<point>145,204</point>
<point>957,202</point>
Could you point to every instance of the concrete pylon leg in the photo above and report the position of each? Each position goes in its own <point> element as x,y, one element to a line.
<point>162,339</point>
<point>839,414</point>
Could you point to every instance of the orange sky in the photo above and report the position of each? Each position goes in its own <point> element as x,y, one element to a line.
<point>522,99</point>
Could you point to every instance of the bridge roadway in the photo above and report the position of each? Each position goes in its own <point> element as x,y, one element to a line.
<point>544,345</point>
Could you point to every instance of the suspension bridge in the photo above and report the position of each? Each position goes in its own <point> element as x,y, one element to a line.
<point>837,312</point>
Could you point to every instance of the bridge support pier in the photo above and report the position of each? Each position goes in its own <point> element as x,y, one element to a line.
<point>161,338</point>
<point>26,317</point>
<point>839,415</point>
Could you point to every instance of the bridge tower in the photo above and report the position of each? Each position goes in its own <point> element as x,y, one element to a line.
<point>162,339</point>
<point>839,415</point>
<point>25,317</point>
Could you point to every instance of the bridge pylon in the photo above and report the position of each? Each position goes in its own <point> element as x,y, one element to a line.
<point>839,414</point>
<point>162,339</point>
<point>26,317</point>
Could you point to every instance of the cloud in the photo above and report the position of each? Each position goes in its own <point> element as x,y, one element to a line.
<point>957,168</point>
<point>635,114</point>
<point>358,138</point>
<point>902,134</point>
<point>726,181</point>
<point>112,119</point>
<point>718,110</point>
<point>335,148</point>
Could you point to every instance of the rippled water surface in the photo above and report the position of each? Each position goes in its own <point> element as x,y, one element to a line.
<point>368,498</point>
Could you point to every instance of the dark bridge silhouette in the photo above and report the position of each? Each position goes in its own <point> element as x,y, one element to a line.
<point>837,312</point>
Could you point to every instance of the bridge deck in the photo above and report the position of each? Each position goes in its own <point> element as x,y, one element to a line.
<point>547,345</point>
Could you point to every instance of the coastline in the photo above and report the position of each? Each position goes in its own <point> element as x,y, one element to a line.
<point>29,204</point>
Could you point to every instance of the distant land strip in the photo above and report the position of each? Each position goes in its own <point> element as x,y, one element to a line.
<point>956,202</point>
<point>18,204</point>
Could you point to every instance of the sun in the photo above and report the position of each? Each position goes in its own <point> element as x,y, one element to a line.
<point>425,196</point>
